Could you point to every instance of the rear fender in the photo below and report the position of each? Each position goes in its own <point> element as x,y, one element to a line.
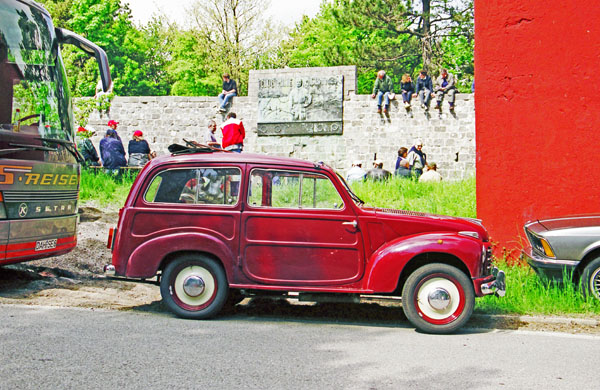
<point>146,259</point>
<point>386,263</point>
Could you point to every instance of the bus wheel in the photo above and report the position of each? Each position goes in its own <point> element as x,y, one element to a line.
<point>438,298</point>
<point>194,286</point>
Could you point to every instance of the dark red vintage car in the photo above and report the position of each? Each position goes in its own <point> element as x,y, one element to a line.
<point>214,227</point>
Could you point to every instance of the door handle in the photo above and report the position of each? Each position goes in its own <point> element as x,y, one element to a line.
<point>354,224</point>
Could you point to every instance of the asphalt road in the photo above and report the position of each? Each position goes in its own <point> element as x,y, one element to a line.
<point>59,348</point>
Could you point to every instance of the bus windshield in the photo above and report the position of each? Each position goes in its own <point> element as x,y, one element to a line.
<point>34,97</point>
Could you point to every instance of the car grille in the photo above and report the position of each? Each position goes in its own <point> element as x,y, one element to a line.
<point>38,196</point>
<point>402,212</point>
<point>487,264</point>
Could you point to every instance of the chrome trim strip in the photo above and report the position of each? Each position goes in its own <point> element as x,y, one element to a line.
<point>540,260</point>
<point>469,234</point>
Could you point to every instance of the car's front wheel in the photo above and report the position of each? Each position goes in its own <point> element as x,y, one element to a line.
<point>194,286</point>
<point>590,279</point>
<point>438,298</point>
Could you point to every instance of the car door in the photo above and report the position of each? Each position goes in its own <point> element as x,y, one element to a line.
<point>296,229</point>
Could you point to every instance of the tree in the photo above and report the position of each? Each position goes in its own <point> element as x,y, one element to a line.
<point>190,68</point>
<point>430,21</point>
<point>237,34</point>
<point>331,39</point>
<point>137,57</point>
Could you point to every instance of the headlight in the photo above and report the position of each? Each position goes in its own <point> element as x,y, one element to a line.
<point>539,244</point>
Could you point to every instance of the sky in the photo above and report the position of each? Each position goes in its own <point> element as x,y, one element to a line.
<point>285,11</point>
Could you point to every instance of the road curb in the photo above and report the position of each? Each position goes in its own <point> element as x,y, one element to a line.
<point>527,319</point>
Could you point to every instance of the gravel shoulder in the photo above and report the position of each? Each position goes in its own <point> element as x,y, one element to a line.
<point>76,280</point>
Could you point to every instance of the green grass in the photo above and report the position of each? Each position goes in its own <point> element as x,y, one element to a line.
<point>103,188</point>
<point>526,293</point>
<point>447,198</point>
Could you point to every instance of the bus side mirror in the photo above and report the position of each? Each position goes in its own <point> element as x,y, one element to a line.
<point>70,38</point>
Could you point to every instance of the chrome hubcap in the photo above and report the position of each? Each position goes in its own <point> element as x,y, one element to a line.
<point>439,298</point>
<point>193,286</point>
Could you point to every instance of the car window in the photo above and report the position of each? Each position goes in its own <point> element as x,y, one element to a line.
<point>292,189</point>
<point>214,186</point>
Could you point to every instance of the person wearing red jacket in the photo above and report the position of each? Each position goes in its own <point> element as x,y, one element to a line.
<point>233,133</point>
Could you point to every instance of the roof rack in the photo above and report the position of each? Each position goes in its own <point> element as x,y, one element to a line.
<point>191,147</point>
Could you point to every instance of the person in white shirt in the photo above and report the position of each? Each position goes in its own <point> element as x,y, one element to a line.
<point>431,175</point>
<point>356,173</point>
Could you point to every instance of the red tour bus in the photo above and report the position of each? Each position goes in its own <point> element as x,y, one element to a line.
<point>39,164</point>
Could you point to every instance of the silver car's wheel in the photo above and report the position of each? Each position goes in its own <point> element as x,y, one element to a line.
<point>590,279</point>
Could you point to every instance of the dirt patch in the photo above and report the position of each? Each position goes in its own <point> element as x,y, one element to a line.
<point>76,279</point>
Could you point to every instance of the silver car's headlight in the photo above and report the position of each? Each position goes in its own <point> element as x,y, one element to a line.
<point>540,244</point>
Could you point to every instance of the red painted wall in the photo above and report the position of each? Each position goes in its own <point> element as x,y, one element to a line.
<point>537,105</point>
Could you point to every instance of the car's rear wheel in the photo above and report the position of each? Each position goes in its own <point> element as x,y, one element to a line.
<point>194,286</point>
<point>590,279</point>
<point>438,298</point>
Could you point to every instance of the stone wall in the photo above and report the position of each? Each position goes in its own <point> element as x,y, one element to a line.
<point>449,140</point>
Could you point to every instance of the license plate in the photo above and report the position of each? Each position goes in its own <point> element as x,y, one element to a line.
<point>45,244</point>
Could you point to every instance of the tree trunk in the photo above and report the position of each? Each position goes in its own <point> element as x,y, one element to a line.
<point>426,38</point>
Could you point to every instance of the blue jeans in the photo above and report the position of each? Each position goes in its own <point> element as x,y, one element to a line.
<point>385,96</point>
<point>237,148</point>
<point>425,96</point>
<point>406,97</point>
<point>225,99</point>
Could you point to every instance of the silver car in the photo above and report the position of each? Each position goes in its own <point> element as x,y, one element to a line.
<point>570,244</point>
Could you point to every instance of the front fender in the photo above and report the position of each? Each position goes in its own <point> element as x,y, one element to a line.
<point>146,258</point>
<point>387,262</point>
<point>593,247</point>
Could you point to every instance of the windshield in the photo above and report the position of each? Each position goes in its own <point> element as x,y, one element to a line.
<point>34,99</point>
<point>354,197</point>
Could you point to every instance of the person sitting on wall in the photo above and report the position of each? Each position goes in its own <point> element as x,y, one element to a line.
<point>417,159</point>
<point>139,150</point>
<point>407,88</point>
<point>112,152</point>
<point>402,165</point>
<point>377,173</point>
<point>233,133</point>
<point>86,148</point>
<point>228,92</point>
<point>383,89</point>
<point>356,173</point>
<point>445,85</point>
<point>424,89</point>
<point>431,175</point>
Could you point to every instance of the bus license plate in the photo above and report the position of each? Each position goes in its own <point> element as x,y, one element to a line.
<point>45,244</point>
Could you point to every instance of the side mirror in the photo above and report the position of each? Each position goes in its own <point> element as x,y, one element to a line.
<point>70,38</point>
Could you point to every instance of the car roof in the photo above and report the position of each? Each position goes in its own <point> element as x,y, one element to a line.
<point>230,157</point>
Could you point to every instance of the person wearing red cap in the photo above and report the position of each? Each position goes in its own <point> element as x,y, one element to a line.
<point>139,150</point>
<point>112,153</point>
<point>86,148</point>
<point>233,133</point>
<point>113,125</point>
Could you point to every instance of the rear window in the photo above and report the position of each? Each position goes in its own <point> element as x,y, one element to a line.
<point>209,186</point>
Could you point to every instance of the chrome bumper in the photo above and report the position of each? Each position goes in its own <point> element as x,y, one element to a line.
<point>496,286</point>
<point>109,270</point>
